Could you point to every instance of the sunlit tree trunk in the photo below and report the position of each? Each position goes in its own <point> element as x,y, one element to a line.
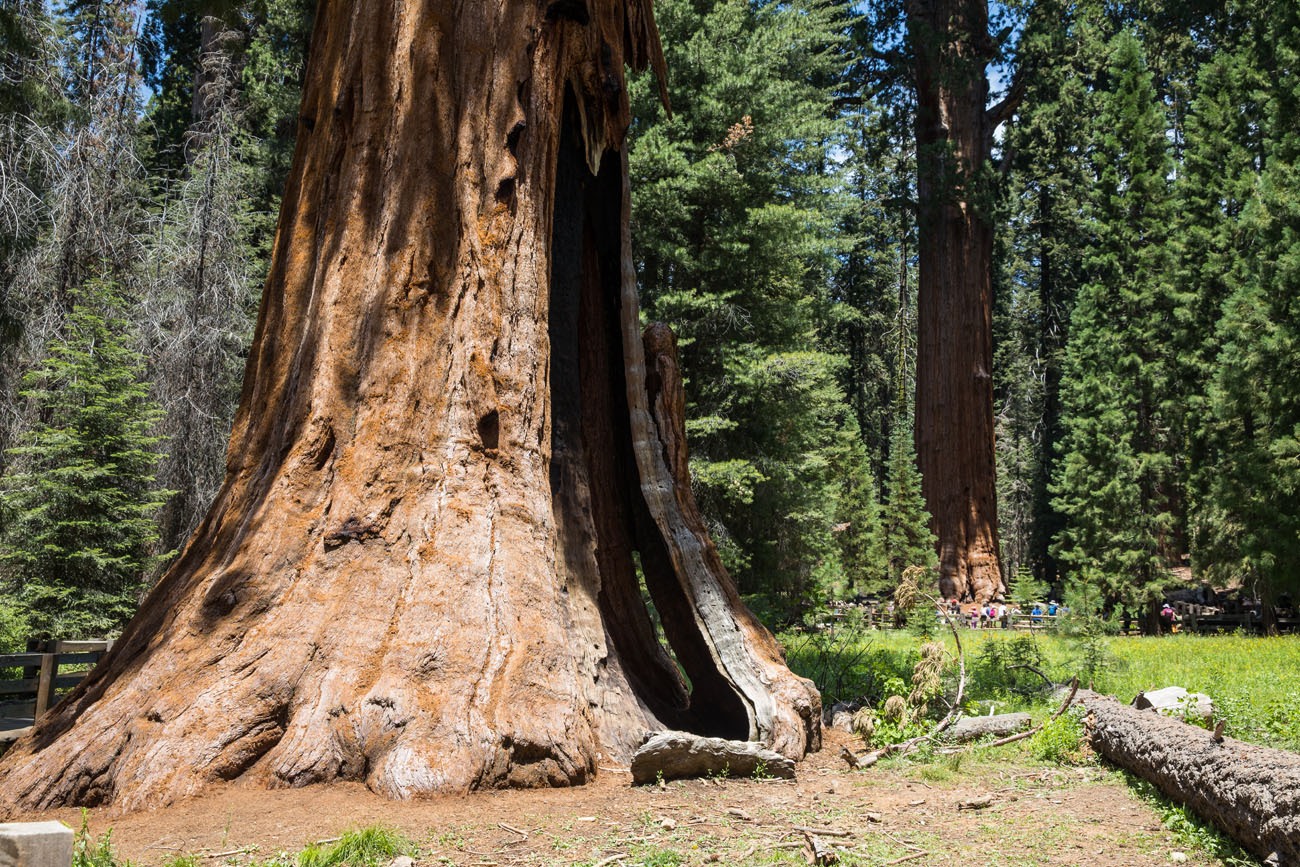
<point>954,384</point>
<point>448,471</point>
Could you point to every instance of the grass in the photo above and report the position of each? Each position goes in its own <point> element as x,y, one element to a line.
<point>1254,681</point>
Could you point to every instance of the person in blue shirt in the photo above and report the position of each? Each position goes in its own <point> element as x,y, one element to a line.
<point>1037,614</point>
<point>1051,608</point>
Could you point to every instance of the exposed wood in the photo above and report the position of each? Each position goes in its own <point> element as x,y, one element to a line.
<point>451,449</point>
<point>822,852</point>
<point>1251,793</point>
<point>45,684</point>
<point>679,755</point>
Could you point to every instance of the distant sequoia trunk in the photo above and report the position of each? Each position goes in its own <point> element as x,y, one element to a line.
<point>455,461</point>
<point>954,382</point>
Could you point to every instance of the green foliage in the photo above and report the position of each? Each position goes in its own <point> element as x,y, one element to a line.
<point>368,847</point>
<point>1115,485</point>
<point>734,211</point>
<point>91,851</point>
<point>1009,668</point>
<point>1249,528</point>
<point>1061,740</point>
<point>908,540</point>
<point>78,500</point>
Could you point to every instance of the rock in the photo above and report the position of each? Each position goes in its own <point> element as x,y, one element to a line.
<point>35,844</point>
<point>1176,702</point>
<point>839,716</point>
<point>402,861</point>
<point>674,755</point>
<point>971,727</point>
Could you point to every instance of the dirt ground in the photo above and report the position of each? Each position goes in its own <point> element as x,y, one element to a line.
<point>1038,815</point>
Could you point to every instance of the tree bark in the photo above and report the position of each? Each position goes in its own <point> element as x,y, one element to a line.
<point>447,476</point>
<point>954,384</point>
<point>1251,793</point>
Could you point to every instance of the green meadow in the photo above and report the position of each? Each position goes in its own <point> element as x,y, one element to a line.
<point>1253,681</point>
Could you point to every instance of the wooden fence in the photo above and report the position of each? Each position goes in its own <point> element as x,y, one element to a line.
<point>25,700</point>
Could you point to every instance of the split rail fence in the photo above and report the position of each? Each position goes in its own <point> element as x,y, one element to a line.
<point>41,683</point>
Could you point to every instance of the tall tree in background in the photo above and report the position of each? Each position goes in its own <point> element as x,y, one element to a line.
<point>951,48</point>
<point>79,503</point>
<point>454,437</point>
<point>200,292</point>
<point>735,214</point>
<point>1116,486</point>
<point>1251,528</point>
<point>1040,259</point>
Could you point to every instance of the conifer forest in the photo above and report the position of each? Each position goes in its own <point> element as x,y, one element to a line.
<point>1011,295</point>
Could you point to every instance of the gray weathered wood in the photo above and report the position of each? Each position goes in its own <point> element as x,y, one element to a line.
<point>45,684</point>
<point>1003,724</point>
<point>673,755</point>
<point>1249,792</point>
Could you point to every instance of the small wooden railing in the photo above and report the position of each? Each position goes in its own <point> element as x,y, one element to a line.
<point>25,700</point>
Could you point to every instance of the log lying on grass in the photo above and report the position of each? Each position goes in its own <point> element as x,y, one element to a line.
<point>673,755</point>
<point>1251,793</point>
<point>971,727</point>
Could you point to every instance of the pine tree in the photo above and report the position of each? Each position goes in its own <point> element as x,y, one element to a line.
<point>1250,528</point>
<point>79,501</point>
<point>1039,271</point>
<point>200,298</point>
<point>859,534</point>
<point>908,540</point>
<point>1115,486</point>
<point>734,213</point>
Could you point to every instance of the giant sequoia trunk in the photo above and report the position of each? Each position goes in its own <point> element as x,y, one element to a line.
<point>453,461</point>
<point>954,384</point>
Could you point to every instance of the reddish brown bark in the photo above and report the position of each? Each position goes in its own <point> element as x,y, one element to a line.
<point>954,385</point>
<point>421,570</point>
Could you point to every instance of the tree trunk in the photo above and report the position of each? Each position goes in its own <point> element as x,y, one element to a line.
<point>447,474</point>
<point>1251,793</point>
<point>954,384</point>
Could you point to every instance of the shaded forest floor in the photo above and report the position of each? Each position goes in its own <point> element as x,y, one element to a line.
<point>906,813</point>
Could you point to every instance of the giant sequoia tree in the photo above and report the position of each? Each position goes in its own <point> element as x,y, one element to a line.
<point>455,455</point>
<point>954,386</point>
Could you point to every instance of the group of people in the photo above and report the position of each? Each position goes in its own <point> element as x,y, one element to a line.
<point>996,614</point>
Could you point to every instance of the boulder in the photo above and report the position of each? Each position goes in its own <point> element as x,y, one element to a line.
<point>1176,702</point>
<point>839,716</point>
<point>673,755</point>
<point>1003,724</point>
<point>35,844</point>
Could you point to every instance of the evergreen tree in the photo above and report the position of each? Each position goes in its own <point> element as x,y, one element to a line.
<point>201,288</point>
<point>1220,175</point>
<point>908,540</point>
<point>1039,257</point>
<point>78,501</point>
<point>734,213</point>
<point>859,533</point>
<point>1115,484</point>
<point>1250,528</point>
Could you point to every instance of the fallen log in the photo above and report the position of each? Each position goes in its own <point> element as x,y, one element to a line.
<point>1251,793</point>
<point>672,755</point>
<point>1003,724</point>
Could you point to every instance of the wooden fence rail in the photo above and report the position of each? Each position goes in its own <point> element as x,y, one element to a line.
<point>25,700</point>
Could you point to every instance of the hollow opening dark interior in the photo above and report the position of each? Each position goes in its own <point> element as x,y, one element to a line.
<point>591,441</point>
